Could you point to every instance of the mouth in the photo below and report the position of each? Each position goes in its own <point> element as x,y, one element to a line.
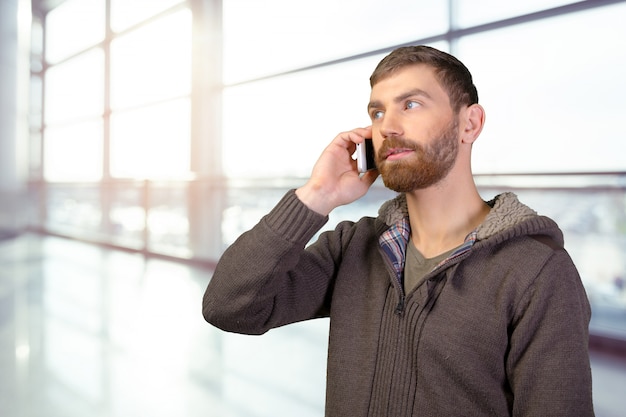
<point>397,153</point>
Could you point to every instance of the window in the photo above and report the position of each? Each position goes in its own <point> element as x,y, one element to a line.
<point>126,13</point>
<point>272,36</point>
<point>151,141</point>
<point>156,129</point>
<point>150,87</point>
<point>469,13</point>
<point>153,62</point>
<point>564,94</point>
<point>146,87</point>
<point>72,27</point>
<point>116,118</point>
<point>75,89</point>
<point>74,152</point>
<point>552,94</point>
<point>290,119</point>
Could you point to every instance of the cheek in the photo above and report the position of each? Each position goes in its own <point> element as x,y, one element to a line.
<point>377,138</point>
<point>377,141</point>
<point>424,131</point>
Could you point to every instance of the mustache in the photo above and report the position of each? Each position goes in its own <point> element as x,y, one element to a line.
<point>397,143</point>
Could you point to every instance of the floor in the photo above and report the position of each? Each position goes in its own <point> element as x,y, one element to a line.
<point>87,331</point>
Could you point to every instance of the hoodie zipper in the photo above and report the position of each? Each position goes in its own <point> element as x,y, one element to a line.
<point>400,307</point>
<point>448,262</point>
<point>393,248</point>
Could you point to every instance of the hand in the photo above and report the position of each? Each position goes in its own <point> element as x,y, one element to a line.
<point>335,180</point>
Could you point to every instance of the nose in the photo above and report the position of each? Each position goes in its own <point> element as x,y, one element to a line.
<point>390,126</point>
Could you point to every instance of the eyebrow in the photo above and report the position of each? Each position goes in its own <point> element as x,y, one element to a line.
<point>399,99</point>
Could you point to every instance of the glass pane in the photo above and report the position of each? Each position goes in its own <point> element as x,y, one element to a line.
<point>152,141</point>
<point>125,13</point>
<point>74,26</point>
<point>247,204</point>
<point>35,108</point>
<point>36,45</point>
<point>296,34</point>
<point>553,103</point>
<point>127,216</point>
<point>75,89</point>
<point>317,104</point>
<point>326,101</point>
<point>74,211</point>
<point>73,152</point>
<point>168,223</point>
<point>152,62</point>
<point>470,12</point>
<point>34,155</point>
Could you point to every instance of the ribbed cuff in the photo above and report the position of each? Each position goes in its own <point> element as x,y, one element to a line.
<point>292,219</point>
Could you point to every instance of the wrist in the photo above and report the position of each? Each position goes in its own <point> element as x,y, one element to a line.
<point>314,197</point>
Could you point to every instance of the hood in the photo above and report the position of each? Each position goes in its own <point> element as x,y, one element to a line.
<point>506,213</point>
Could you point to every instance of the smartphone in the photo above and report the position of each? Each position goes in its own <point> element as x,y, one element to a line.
<point>365,156</point>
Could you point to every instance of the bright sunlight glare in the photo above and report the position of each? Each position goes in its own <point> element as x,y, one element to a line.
<point>150,76</point>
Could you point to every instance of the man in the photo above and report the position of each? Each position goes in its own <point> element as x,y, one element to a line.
<point>443,305</point>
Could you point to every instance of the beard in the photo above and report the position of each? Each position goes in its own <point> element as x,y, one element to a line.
<point>428,165</point>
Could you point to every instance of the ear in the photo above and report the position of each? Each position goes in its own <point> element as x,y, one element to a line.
<point>473,121</point>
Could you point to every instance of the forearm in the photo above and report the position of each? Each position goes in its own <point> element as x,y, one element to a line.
<point>259,270</point>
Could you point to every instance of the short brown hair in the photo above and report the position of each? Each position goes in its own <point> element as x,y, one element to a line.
<point>454,77</point>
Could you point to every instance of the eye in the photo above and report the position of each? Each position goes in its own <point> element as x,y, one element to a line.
<point>412,104</point>
<point>376,114</point>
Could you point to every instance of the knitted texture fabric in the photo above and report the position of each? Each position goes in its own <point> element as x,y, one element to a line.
<point>500,329</point>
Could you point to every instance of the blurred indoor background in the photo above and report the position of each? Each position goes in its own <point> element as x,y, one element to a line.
<point>139,138</point>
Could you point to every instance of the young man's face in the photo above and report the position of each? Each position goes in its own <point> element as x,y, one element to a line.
<point>414,129</point>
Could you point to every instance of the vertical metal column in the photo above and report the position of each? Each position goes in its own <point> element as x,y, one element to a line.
<point>206,191</point>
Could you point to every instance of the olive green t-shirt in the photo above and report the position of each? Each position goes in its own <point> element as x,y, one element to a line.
<point>417,266</point>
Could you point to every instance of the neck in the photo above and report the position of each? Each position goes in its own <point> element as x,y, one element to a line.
<point>443,215</point>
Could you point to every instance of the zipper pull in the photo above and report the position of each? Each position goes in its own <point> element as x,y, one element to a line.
<point>400,307</point>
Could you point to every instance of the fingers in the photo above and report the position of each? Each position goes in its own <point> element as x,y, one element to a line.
<point>345,143</point>
<point>354,136</point>
<point>370,177</point>
<point>335,179</point>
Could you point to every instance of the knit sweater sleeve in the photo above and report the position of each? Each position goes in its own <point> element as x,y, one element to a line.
<point>548,361</point>
<point>266,279</point>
